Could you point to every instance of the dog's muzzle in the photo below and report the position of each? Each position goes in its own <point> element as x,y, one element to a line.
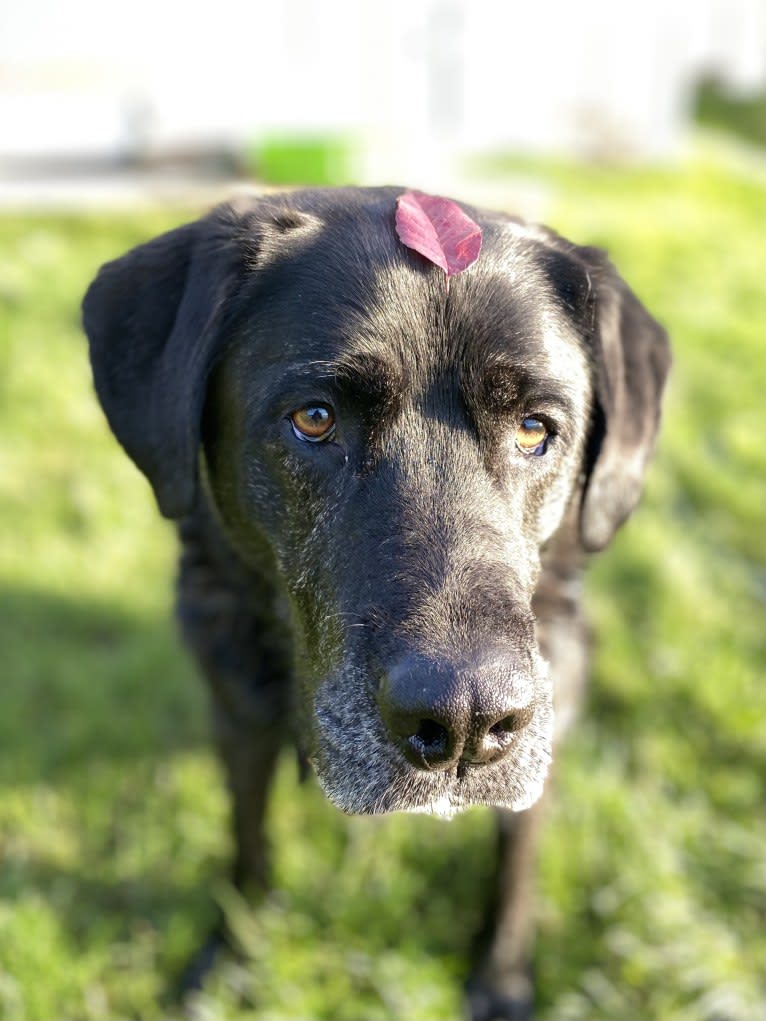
<point>435,736</point>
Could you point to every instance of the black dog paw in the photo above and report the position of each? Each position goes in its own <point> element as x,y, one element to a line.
<point>201,964</point>
<point>511,1002</point>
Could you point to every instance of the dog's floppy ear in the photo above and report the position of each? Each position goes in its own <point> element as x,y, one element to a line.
<point>632,359</point>
<point>154,322</point>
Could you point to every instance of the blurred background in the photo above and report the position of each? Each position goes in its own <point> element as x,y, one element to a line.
<point>332,91</point>
<point>640,128</point>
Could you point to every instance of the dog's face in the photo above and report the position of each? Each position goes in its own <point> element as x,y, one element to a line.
<point>399,452</point>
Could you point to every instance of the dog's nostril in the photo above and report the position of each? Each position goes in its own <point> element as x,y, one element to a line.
<point>505,726</point>
<point>432,735</point>
<point>430,746</point>
<point>491,744</point>
<point>514,721</point>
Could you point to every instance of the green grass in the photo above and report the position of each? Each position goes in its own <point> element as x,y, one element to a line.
<point>113,839</point>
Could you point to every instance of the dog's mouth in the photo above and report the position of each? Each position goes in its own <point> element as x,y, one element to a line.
<point>362,772</point>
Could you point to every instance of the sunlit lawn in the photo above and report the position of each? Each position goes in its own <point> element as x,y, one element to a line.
<point>113,837</point>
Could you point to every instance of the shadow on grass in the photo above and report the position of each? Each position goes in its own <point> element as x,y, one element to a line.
<point>112,813</point>
<point>83,901</point>
<point>118,820</point>
<point>86,684</point>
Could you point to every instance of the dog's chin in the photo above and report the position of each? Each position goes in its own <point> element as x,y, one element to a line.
<point>363,774</point>
<point>443,799</point>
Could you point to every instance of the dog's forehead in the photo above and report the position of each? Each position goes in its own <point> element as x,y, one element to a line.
<point>339,283</point>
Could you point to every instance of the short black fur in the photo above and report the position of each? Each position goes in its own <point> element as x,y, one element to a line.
<point>401,599</point>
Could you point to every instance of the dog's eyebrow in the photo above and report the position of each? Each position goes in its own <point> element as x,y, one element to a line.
<point>505,386</point>
<point>363,375</point>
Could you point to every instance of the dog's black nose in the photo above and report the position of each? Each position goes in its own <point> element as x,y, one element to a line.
<point>439,713</point>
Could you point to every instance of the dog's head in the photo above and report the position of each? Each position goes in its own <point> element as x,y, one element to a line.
<point>398,452</point>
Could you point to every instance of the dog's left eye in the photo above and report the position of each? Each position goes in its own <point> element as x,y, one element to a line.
<point>315,422</point>
<point>532,437</point>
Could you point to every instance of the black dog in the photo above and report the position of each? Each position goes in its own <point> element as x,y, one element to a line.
<point>386,489</point>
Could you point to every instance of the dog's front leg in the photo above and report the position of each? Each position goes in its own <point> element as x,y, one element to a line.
<point>249,745</point>
<point>500,987</point>
<point>249,754</point>
<point>234,625</point>
<point>248,721</point>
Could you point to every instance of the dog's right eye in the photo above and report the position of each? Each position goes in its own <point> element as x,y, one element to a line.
<point>315,422</point>
<point>532,437</point>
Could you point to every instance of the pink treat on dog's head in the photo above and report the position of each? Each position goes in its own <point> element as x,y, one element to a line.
<point>438,229</point>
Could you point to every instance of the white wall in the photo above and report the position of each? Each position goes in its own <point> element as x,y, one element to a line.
<point>82,76</point>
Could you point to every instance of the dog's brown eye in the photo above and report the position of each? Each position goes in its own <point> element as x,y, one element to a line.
<point>313,423</point>
<point>532,437</point>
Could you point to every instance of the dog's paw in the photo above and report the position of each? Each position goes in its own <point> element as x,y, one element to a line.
<point>201,964</point>
<point>511,1000</point>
